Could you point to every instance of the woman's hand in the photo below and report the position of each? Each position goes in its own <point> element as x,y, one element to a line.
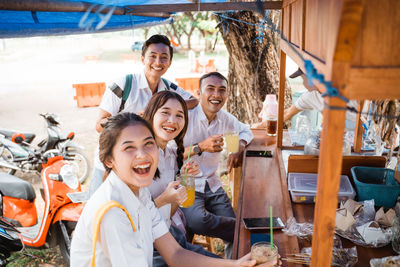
<point>246,261</point>
<point>193,168</point>
<point>174,193</point>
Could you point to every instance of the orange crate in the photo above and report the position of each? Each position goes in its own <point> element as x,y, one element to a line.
<point>189,84</point>
<point>89,94</point>
<point>92,58</point>
<point>128,58</point>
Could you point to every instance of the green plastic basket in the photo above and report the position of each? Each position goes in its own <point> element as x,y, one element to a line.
<point>376,183</point>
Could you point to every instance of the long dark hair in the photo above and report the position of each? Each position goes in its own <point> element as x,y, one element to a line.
<point>112,130</point>
<point>156,102</point>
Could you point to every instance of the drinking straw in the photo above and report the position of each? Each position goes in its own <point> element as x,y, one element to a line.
<point>270,227</point>
<point>190,149</point>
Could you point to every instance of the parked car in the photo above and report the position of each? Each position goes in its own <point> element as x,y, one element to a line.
<point>137,46</point>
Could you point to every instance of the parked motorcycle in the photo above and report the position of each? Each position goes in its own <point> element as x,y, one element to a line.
<point>10,241</point>
<point>62,205</point>
<point>18,154</point>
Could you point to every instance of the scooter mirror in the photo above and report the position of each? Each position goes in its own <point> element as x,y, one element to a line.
<point>18,138</point>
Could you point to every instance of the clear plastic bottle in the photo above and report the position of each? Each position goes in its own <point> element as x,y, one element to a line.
<point>271,114</point>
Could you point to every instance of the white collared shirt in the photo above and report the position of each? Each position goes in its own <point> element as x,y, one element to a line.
<point>168,167</point>
<point>199,129</point>
<point>117,244</point>
<point>139,96</point>
<point>310,100</point>
<point>137,101</point>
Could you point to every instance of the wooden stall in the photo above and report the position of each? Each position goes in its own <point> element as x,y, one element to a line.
<point>355,45</point>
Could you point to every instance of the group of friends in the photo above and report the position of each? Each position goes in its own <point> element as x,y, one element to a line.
<point>145,141</point>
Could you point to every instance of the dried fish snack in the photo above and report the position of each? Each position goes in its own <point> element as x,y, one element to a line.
<point>392,261</point>
<point>341,257</point>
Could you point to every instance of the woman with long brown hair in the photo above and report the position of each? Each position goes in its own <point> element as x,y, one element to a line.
<point>129,153</point>
<point>167,114</point>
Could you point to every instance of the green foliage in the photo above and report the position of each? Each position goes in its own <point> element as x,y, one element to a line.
<point>185,24</point>
<point>34,257</point>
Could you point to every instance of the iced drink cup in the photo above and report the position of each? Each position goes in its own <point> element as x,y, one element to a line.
<point>262,253</point>
<point>188,182</point>
<point>232,142</point>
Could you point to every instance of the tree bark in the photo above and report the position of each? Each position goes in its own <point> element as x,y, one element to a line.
<point>253,66</point>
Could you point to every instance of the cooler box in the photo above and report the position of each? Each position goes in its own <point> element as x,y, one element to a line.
<point>303,187</point>
<point>376,183</point>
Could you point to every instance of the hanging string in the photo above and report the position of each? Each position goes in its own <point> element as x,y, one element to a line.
<point>311,72</point>
<point>198,5</point>
<point>87,22</point>
<point>354,110</point>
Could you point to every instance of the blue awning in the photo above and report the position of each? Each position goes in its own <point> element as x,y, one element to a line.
<point>38,23</point>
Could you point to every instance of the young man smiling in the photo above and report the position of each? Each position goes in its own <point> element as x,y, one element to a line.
<point>156,57</point>
<point>212,213</point>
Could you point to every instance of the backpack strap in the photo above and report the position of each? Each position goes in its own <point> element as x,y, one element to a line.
<point>96,224</point>
<point>126,92</point>
<point>172,85</point>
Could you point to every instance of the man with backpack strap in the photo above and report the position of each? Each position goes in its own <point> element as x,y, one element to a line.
<point>132,92</point>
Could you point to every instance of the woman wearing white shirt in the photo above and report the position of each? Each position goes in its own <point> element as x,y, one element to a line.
<point>168,115</point>
<point>129,152</point>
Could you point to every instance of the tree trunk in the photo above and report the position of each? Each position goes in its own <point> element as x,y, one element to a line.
<point>253,66</point>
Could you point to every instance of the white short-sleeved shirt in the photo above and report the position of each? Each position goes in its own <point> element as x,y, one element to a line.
<point>168,167</point>
<point>117,244</point>
<point>314,100</point>
<point>137,101</point>
<point>139,96</point>
<point>199,129</point>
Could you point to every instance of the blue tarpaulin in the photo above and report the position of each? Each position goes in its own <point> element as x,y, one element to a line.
<point>38,23</point>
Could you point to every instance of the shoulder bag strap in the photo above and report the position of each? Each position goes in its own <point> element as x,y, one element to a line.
<point>97,219</point>
<point>127,90</point>
<point>169,86</point>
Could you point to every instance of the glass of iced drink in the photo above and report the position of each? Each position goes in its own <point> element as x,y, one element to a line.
<point>263,253</point>
<point>232,142</point>
<point>188,182</point>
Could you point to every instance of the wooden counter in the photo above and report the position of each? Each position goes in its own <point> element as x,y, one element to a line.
<point>264,183</point>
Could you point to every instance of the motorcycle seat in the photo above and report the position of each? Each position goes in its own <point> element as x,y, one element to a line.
<point>12,186</point>
<point>9,133</point>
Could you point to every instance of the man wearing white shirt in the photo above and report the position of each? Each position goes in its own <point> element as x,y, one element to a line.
<point>313,100</point>
<point>212,213</point>
<point>156,57</point>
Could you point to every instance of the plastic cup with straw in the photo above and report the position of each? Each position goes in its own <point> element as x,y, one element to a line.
<point>188,182</point>
<point>265,251</point>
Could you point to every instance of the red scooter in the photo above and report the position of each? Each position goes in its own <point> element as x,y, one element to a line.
<point>62,205</point>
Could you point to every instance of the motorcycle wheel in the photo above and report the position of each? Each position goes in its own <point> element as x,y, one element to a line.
<point>80,162</point>
<point>7,156</point>
<point>65,231</point>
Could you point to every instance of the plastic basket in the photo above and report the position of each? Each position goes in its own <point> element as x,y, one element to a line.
<point>303,187</point>
<point>376,183</point>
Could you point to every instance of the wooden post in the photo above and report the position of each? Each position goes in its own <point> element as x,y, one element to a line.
<point>329,169</point>
<point>281,98</point>
<point>330,163</point>
<point>235,179</point>
<point>358,131</point>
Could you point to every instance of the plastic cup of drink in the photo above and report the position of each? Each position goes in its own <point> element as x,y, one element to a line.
<point>263,253</point>
<point>188,182</point>
<point>232,142</point>
<point>272,126</point>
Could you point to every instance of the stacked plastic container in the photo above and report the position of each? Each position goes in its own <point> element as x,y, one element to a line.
<point>303,187</point>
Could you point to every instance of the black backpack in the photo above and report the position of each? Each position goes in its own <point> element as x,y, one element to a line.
<point>124,94</point>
